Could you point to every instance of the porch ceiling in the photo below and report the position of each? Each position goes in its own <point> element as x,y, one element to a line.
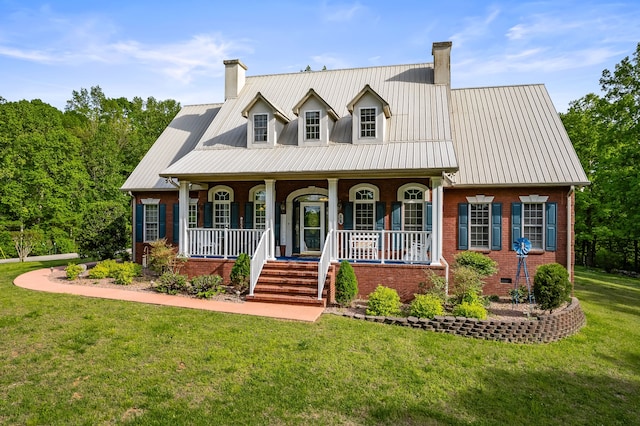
<point>401,159</point>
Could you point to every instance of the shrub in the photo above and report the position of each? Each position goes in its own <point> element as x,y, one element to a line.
<point>171,283</point>
<point>104,229</point>
<point>206,286</point>
<point>608,260</point>
<point>163,257</point>
<point>483,265</point>
<point>470,310</point>
<point>551,286</point>
<point>124,273</point>
<point>384,301</point>
<point>435,285</point>
<point>346,284</point>
<point>426,306</point>
<point>467,285</point>
<point>73,271</point>
<point>104,269</point>
<point>519,295</point>
<point>241,273</point>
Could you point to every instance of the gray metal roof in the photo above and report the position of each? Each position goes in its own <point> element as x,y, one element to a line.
<point>176,141</point>
<point>511,135</point>
<point>335,160</point>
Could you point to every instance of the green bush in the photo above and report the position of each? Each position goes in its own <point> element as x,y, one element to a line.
<point>435,285</point>
<point>171,283</point>
<point>104,229</point>
<point>73,271</point>
<point>608,260</point>
<point>346,284</point>
<point>470,310</point>
<point>483,265</point>
<point>124,273</point>
<point>241,273</point>
<point>384,301</point>
<point>519,295</point>
<point>163,257</point>
<point>467,285</point>
<point>104,269</point>
<point>206,286</point>
<point>426,306</point>
<point>551,286</point>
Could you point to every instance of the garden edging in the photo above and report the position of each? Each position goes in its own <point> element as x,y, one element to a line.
<point>543,328</point>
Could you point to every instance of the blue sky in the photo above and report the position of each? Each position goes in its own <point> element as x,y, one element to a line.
<point>175,49</point>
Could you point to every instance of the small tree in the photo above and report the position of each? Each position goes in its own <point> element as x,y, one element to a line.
<point>25,241</point>
<point>346,284</point>
<point>104,230</point>
<point>241,273</point>
<point>551,286</point>
<point>164,257</point>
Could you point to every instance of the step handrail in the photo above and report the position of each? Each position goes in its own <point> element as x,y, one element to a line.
<point>258,260</point>
<point>324,263</point>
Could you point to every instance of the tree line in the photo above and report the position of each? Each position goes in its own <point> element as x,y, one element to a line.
<point>61,170</point>
<point>605,131</point>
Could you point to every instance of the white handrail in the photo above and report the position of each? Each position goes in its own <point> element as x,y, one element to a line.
<point>325,261</point>
<point>212,242</point>
<point>258,260</point>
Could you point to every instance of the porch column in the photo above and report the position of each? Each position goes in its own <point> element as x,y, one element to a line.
<point>183,219</point>
<point>438,214</point>
<point>333,211</point>
<point>270,207</point>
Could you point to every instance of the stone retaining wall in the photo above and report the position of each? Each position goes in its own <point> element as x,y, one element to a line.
<point>542,329</point>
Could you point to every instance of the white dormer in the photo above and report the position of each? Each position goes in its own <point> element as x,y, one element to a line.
<point>316,119</point>
<point>265,122</point>
<point>370,114</point>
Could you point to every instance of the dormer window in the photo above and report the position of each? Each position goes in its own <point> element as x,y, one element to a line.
<point>312,125</point>
<point>368,122</point>
<point>260,122</point>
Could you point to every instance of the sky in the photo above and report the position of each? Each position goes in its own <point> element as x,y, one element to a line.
<point>175,50</point>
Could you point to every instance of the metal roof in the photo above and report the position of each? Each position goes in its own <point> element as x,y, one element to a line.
<point>334,160</point>
<point>511,135</point>
<point>176,141</point>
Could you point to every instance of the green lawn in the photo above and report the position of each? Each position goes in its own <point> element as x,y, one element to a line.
<point>72,360</point>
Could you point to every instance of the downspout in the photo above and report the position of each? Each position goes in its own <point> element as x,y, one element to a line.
<point>446,275</point>
<point>133,226</point>
<point>569,233</point>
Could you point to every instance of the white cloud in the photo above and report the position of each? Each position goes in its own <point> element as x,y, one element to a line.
<point>342,12</point>
<point>475,27</point>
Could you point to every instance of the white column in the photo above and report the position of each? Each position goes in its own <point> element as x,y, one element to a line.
<point>333,210</point>
<point>438,214</point>
<point>183,220</point>
<point>270,204</point>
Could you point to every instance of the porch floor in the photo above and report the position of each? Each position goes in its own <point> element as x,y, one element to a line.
<point>39,280</point>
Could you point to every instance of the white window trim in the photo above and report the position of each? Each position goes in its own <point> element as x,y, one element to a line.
<point>253,128</point>
<point>543,239</point>
<point>356,188</point>
<point>534,199</point>
<point>217,188</point>
<point>304,135</point>
<point>400,198</point>
<point>149,202</point>
<point>193,202</point>
<point>252,197</point>
<point>375,123</point>
<point>480,199</point>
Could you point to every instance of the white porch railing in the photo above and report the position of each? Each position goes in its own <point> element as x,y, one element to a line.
<point>259,258</point>
<point>384,246</point>
<point>209,242</point>
<point>325,262</point>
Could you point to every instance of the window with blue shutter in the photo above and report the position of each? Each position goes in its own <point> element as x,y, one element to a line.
<point>496,226</point>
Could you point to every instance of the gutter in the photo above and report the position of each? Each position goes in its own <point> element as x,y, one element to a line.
<point>572,189</point>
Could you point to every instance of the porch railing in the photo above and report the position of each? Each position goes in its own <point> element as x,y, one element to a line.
<point>209,242</point>
<point>259,258</point>
<point>325,262</point>
<point>384,246</point>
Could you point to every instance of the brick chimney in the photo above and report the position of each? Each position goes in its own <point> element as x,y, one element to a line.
<point>441,52</point>
<point>233,77</point>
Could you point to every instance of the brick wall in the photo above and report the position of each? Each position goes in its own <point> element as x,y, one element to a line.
<point>543,329</point>
<point>404,278</point>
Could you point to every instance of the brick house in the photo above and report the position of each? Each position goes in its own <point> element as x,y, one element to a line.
<point>387,167</point>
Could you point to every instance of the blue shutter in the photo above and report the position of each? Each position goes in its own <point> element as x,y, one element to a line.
<point>396,216</point>
<point>276,221</point>
<point>516,223</point>
<point>552,226</point>
<point>428,216</point>
<point>139,223</point>
<point>496,226</point>
<point>463,226</point>
<point>381,212</point>
<point>176,223</point>
<point>208,215</point>
<point>235,216</point>
<point>347,211</point>
<point>162,213</point>
<point>248,215</point>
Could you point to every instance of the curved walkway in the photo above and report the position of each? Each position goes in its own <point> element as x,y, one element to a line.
<point>39,280</point>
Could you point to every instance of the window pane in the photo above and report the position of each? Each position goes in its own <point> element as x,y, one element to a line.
<point>533,224</point>
<point>368,123</point>
<point>479,225</point>
<point>151,225</point>
<point>193,215</point>
<point>260,128</point>
<point>259,215</point>
<point>413,194</point>
<point>364,194</point>
<point>364,216</point>
<point>413,217</point>
<point>312,125</point>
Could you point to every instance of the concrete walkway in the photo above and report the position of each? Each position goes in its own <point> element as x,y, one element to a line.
<point>39,280</point>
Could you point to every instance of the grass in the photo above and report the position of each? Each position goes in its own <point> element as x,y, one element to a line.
<point>72,360</point>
